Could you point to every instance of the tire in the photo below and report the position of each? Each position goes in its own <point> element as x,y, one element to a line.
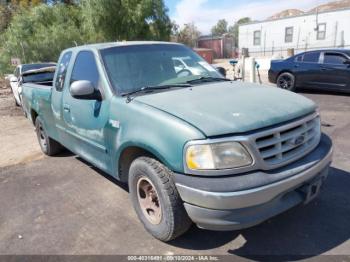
<point>48,146</point>
<point>169,219</point>
<point>286,81</point>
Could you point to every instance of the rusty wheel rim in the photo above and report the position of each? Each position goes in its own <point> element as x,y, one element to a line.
<point>149,200</point>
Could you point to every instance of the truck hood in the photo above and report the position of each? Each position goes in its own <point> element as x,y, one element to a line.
<point>230,107</point>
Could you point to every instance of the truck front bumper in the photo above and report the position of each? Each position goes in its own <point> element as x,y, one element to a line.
<point>245,200</point>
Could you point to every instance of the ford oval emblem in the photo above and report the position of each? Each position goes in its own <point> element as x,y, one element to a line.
<point>298,140</point>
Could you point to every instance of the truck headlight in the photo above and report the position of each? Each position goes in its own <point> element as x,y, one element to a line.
<point>223,155</point>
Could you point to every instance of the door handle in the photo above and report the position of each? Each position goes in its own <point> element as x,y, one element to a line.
<point>66,108</point>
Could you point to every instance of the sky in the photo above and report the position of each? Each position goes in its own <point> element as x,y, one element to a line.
<point>205,13</point>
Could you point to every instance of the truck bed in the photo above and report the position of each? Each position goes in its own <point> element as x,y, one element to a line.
<point>36,101</point>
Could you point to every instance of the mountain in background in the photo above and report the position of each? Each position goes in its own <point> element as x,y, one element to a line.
<point>331,6</point>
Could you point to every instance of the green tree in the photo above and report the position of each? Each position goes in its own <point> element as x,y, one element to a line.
<point>187,35</point>
<point>9,8</point>
<point>220,28</point>
<point>40,34</point>
<point>25,3</point>
<point>111,20</point>
<point>5,17</point>
<point>233,30</point>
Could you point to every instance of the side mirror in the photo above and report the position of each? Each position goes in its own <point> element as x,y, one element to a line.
<point>13,79</point>
<point>83,89</point>
<point>347,62</point>
<point>221,70</point>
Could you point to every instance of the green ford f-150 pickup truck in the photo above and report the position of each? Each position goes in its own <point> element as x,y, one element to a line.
<point>192,145</point>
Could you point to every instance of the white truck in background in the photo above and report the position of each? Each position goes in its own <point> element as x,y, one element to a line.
<point>27,73</point>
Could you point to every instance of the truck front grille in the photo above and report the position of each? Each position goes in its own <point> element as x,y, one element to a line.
<point>289,142</point>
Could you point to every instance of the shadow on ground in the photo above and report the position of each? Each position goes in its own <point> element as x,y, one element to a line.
<point>67,153</point>
<point>322,92</point>
<point>124,186</point>
<point>302,232</point>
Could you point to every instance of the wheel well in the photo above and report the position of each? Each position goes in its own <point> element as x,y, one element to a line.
<point>290,72</point>
<point>33,116</point>
<point>128,155</point>
<point>285,71</point>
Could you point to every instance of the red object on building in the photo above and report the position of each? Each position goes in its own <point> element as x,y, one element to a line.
<point>206,53</point>
<point>222,46</point>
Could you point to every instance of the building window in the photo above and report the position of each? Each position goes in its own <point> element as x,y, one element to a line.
<point>321,31</point>
<point>257,37</point>
<point>288,38</point>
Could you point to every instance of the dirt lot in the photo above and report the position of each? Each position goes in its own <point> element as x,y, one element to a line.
<point>17,139</point>
<point>62,205</point>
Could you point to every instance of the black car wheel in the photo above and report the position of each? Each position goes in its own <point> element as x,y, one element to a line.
<point>286,81</point>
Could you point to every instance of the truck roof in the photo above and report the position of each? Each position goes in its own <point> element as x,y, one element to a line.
<point>100,46</point>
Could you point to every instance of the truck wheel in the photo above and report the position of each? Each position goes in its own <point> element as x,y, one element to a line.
<point>48,146</point>
<point>286,81</point>
<point>156,200</point>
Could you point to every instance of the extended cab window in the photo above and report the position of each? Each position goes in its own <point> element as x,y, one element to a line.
<point>62,70</point>
<point>85,68</point>
<point>312,57</point>
<point>334,58</point>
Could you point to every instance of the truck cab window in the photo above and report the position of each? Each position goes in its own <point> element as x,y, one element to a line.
<point>62,70</point>
<point>85,68</point>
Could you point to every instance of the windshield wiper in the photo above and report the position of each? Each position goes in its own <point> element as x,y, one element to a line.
<point>207,79</point>
<point>146,89</point>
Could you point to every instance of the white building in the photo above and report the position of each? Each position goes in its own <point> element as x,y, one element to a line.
<point>304,32</point>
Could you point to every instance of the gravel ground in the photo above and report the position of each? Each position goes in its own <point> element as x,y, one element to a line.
<point>17,139</point>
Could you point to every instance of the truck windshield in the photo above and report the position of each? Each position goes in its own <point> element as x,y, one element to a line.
<point>133,67</point>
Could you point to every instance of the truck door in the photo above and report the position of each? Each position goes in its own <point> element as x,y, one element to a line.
<point>335,73</point>
<point>57,92</point>
<point>86,120</point>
